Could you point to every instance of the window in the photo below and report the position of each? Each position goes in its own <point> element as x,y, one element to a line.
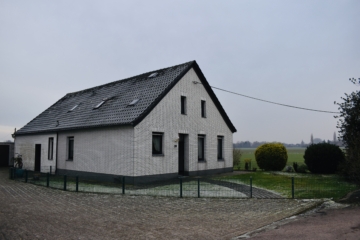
<point>153,75</point>
<point>201,147</point>
<point>203,108</point>
<point>99,105</point>
<point>183,105</point>
<point>70,148</point>
<point>50,148</point>
<point>220,141</point>
<point>157,143</point>
<point>72,109</point>
<point>134,102</point>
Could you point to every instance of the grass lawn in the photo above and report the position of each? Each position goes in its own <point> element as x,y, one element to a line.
<point>305,185</point>
<point>294,155</point>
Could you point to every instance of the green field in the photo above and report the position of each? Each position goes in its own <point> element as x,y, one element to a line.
<point>294,155</point>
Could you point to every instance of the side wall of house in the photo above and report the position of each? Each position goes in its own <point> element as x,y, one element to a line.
<point>25,145</point>
<point>99,150</point>
<point>166,118</point>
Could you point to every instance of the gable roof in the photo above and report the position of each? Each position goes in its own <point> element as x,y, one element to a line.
<point>116,97</point>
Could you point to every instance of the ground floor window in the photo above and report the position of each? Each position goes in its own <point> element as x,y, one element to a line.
<point>70,148</point>
<point>51,148</point>
<point>201,147</point>
<point>157,142</point>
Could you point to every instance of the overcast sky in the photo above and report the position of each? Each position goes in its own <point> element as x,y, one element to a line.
<point>299,53</point>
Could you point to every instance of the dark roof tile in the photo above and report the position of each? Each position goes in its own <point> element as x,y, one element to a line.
<point>115,110</point>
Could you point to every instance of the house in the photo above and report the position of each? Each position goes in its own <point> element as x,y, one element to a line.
<point>6,154</point>
<point>161,123</point>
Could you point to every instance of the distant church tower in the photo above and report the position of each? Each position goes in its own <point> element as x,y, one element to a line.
<point>334,140</point>
<point>312,139</point>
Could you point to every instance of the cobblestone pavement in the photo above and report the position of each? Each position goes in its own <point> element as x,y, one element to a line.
<point>28,211</point>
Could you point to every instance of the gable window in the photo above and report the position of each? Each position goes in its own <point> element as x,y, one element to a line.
<point>50,148</point>
<point>183,105</point>
<point>203,108</point>
<point>201,147</point>
<point>70,148</point>
<point>157,139</point>
<point>220,144</point>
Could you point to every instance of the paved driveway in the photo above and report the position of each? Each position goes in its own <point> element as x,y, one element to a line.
<point>34,212</point>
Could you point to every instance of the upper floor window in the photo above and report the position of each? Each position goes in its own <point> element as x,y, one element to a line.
<point>70,148</point>
<point>51,148</point>
<point>183,105</point>
<point>203,108</point>
<point>220,144</point>
<point>157,141</point>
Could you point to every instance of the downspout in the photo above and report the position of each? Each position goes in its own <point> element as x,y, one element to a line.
<point>56,156</point>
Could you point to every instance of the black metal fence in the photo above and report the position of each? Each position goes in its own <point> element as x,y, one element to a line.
<point>223,186</point>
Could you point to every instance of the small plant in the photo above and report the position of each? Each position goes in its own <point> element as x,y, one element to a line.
<point>236,157</point>
<point>302,168</point>
<point>295,166</point>
<point>271,156</point>
<point>18,162</point>
<point>247,164</point>
<point>323,158</point>
<point>289,169</point>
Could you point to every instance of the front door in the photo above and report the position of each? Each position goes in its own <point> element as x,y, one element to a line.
<point>181,153</point>
<point>37,157</point>
<point>4,155</point>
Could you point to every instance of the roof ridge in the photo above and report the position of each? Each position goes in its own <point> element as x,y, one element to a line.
<point>127,79</point>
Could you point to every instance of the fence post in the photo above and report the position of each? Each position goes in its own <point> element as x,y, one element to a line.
<point>250,187</point>
<point>26,175</point>
<point>50,169</point>
<point>198,187</point>
<point>47,179</point>
<point>181,187</point>
<point>77,183</point>
<point>64,182</point>
<point>292,188</point>
<point>123,185</point>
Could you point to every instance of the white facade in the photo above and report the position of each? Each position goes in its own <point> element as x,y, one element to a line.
<point>127,150</point>
<point>25,145</point>
<point>99,150</point>
<point>167,119</point>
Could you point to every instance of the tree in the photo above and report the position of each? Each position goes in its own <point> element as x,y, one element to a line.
<point>349,131</point>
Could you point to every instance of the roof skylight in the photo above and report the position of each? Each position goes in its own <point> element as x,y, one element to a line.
<point>153,75</point>
<point>74,107</point>
<point>99,105</point>
<point>135,101</point>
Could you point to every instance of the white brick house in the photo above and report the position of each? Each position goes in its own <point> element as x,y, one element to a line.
<point>162,123</point>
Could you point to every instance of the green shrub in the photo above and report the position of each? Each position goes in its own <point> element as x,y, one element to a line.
<point>323,158</point>
<point>302,168</point>
<point>236,157</point>
<point>271,156</point>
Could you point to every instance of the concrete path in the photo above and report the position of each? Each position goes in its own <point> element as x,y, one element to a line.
<point>326,222</point>
<point>34,212</point>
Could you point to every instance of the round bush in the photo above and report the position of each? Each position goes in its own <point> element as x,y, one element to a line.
<point>323,158</point>
<point>271,156</point>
